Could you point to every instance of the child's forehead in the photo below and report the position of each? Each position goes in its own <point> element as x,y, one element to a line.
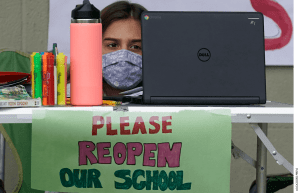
<point>125,28</point>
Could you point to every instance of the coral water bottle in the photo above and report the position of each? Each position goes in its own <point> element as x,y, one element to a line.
<point>86,55</point>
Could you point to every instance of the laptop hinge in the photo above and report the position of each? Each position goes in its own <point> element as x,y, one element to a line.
<point>205,100</point>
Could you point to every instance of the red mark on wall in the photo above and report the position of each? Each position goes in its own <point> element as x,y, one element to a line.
<point>278,14</point>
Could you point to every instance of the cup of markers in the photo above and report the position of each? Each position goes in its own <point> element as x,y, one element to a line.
<point>49,77</point>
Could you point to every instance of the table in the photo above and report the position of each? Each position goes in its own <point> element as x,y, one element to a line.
<point>258,116</point>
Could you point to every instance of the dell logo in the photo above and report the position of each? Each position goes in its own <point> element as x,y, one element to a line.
<point>204,54</point>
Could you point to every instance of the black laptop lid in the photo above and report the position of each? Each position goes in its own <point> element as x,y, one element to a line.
<point>203,58</point>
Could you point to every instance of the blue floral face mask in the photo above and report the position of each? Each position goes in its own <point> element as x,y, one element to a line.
<point>122,69</point>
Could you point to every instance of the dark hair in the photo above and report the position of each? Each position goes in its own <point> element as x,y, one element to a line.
<point>120,10</point>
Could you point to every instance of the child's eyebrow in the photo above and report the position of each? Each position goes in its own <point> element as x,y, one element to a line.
<point>117,40</point>
<point>136,40</point>
<point>111,39</point>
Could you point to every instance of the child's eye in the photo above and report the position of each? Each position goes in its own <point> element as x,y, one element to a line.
<point>112,45</point>
<point>136,47</point>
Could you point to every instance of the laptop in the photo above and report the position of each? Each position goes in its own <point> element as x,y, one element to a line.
<point>203,58</point>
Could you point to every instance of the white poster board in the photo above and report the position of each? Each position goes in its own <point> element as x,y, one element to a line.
<point>280,10</point>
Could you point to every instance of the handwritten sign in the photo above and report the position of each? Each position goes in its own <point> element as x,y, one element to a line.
<point>92,151</point>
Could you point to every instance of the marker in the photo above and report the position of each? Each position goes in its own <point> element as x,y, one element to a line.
<point>32,73</point>
<point>61,79</point>
<point>45,81</point>
<point>37,76</point>
<point>55,52</point>
<point>50,79</point>
<point>42,53</point>
<point>66,75</point>
<point>112,103</point>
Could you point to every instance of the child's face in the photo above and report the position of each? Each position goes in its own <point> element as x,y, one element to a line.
<point>122,34</point>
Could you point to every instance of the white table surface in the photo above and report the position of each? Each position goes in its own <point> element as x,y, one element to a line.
<point>271,112</point>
